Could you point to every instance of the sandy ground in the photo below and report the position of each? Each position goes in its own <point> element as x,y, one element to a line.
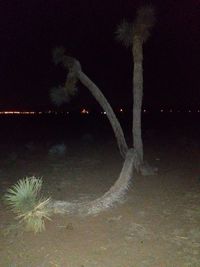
<point>157,226</point>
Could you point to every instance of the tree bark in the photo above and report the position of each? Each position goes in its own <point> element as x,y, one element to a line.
<point>137,52</point>
<point>113,195</point>
<point>74,67</point>
<point>95,91</point>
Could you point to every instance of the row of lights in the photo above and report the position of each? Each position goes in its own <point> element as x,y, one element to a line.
<point>83,111</point>
<point>175,111</point>
<point>20,112</point>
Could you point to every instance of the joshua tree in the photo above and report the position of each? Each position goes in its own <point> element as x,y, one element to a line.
<point>75,73</point>
<point>62,94</point>
<point>135,35</point>
<point>36,211</point>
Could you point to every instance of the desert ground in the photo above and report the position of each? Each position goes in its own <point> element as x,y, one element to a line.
<point>156,226</point>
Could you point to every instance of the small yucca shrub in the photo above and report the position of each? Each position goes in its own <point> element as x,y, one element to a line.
<point>25,201</point>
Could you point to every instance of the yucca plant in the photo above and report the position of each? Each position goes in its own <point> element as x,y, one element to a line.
<point>25,201</point>
<point>134,35</point>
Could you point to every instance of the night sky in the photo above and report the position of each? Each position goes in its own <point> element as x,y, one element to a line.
<point>30,29</point>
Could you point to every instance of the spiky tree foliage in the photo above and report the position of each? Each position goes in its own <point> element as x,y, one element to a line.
<point>135,35</point>
<point>76,74</point>
<point>25,201</point>
<point>63,94</point>
<point>59,96</point>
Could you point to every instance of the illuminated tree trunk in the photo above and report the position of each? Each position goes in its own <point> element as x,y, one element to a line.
<point>112,196</point>
<point>118,190</point>
<point>76,73</point>
<point>109,111</point>
<point>137,52</point>
<point>135,35</point>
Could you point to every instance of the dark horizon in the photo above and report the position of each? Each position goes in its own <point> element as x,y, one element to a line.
<point>30,30</point>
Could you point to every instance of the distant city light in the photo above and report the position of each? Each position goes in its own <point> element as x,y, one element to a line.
<point>84,111</point>
<point>18,113</point>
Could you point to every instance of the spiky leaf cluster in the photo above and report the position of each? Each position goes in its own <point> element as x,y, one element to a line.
<point>144,22</point>
<point>34,219</point>
<point>58,96</point>
<point>63,94</point>
<point>70,84</point>
<point>24,200</point>
<point>140,28</point>
<point>124,33</point>
<point>70,63</point>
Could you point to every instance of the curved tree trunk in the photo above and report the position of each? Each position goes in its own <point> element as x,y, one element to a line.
<point>75,72</point>
<point>137,51</point>
<point>95,91</point>
<point>114,194</point>
<point>118,190</point>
